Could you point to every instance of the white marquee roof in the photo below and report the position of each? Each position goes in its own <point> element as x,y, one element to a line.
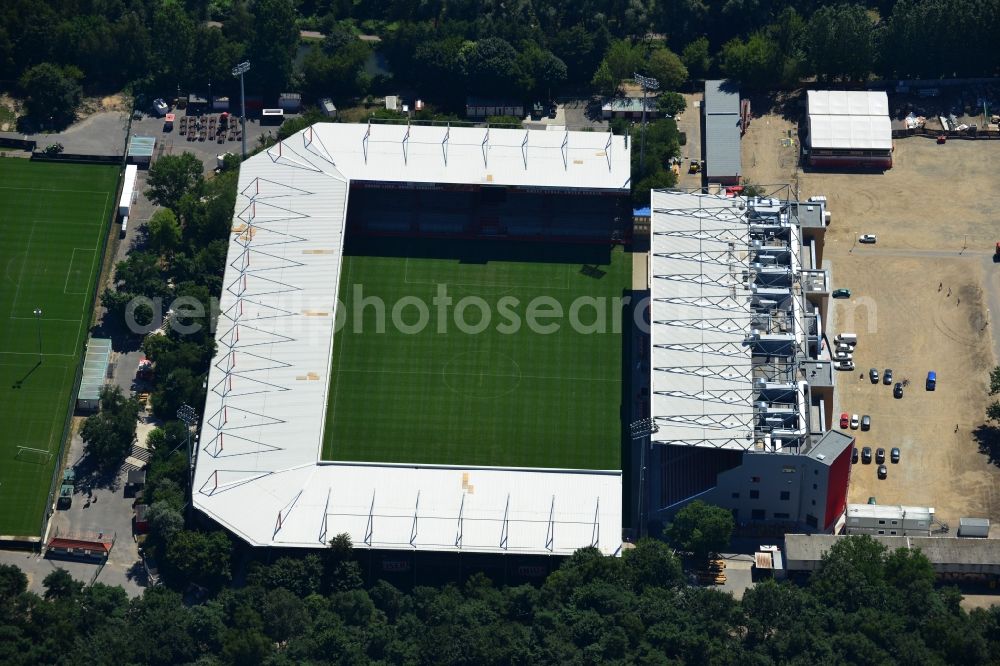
<point>850,132</point>
<point>849,119</point>
<point>848,102</point>
<point>257,470</point>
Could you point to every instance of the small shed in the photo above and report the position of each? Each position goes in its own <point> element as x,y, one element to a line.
<point>95,368</point>
<point>140,149</point>
<point>327,107</point>
<point>84,549</point>
<point>391,103</point>
<point>290,102</point>
<point>197,103</point>
<point>136,478</point>
<point>630,108</point>
<point>272,117</point>
<point>220,104</point>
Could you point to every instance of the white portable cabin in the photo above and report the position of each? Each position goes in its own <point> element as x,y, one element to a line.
<point>128,189</point>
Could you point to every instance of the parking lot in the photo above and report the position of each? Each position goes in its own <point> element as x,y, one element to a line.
<point>921,300</point>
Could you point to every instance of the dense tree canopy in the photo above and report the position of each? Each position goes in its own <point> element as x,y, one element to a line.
<point>864,605</point>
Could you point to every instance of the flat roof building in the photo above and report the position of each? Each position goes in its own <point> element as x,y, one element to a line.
<point>723,163</point>
<point>849,128</point>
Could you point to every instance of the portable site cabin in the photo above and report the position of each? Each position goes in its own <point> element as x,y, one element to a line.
<point>328,108</point>
<point>272,117</point>
<point>128,190</point>
<point>140,149</point>
<point>290,102</point>
<point>95,368</point>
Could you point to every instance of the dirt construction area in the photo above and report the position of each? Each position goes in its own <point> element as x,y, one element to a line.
<point>924,297</point>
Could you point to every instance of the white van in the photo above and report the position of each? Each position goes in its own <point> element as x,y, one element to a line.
<point>818,199</point>
<point>847,338</point>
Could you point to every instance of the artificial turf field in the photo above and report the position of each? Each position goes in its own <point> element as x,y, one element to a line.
<point>495,398</point>
<point>52,220</point>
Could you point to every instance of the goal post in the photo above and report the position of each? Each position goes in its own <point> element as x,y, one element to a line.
<point>32,455</point>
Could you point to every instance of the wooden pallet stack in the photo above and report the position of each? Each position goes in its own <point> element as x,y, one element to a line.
<point>713,574</point>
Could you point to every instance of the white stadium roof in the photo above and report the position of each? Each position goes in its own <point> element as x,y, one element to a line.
<point>258,470</point>
<point>700,314</point>
<point>849,119</point>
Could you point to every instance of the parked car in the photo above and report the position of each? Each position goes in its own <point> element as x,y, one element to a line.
<point>883,472</point>
<point>845,420</point>
<point>844,365</point>
<point>866,422</point>
<point>843,356</point>
<point>894,455</point>
<point>854,456</point>
<point>897,390</point>
<point>887,376</point>
<point>160,107</point>
<point>841,293</point>
<point>931,380</point>
<point>855,421</point>
<point>868,238</point>
<point>866,455</point>
<point>879,455</point>
<point>873,375</point>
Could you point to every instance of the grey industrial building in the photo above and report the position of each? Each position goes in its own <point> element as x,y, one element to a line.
<point>948,555</point>
<point>722,133</point>
<point>741,383</point>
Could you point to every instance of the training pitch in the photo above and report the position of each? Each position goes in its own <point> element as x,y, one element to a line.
<point>507,396</point>
<point>53,218</point>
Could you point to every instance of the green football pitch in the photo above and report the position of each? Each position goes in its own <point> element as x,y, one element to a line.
<point>53,217</point>
<point>513,394</point>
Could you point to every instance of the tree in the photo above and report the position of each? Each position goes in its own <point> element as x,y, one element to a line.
<point>60,585</point>
<point>696,58</point>
<point>342,573</point>
<point>841,41</point>
<point>671,103</point>
<point>651,564</point>
<point>664,66</point>
<point>164,232</point>
<point>165,521</point>
<point>271,48</point>
<point>109,433</point>
<point>172,176</point>
<point>13,583</point>
<point>756,62</point>
<point>995,380</point>
<point>621,61</point>
<point>701,529</point>
<point>491,67</point>
<point>199,557</point>
<point>52,93</point>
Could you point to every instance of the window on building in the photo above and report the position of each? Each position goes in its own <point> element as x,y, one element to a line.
<point>881,522</point>
<point>781,516</point>
<point>736,495</point>
<point>757,514</point>
<point>754,494</point>
<point>812,521</point>
<point>814,502</point>
<point>754,479</point>
<point>815,486</point>
<point>785,495</point>
<point>881,532</point>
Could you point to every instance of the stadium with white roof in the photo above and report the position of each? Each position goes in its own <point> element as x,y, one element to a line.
<point>258,470</point>
<point>740,376</point>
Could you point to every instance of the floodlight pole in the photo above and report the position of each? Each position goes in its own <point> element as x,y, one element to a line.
<point>38,319</point>
<point>239,71</point>
<point>641,429</point>
<point>189,416</point>
<point>647,83</point>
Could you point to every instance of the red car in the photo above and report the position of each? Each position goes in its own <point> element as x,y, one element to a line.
<point>845,420</point>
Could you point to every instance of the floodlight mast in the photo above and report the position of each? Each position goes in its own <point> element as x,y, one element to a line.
<point>239,70</point>
<point>647,83</point>
<point>38,319</point>
<point>641,429</point>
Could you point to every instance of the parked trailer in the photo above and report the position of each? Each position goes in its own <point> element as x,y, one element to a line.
<point>128,190</point>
